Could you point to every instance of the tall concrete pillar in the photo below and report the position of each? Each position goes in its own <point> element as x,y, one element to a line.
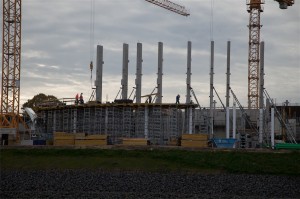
<point>234,120</point>
<point>159,73</point>
<point>228,74</point>
<point>261,75</point>
<point>272,128</point>
<point>138,80</point>
<point>261,93</point>
<point>188,73</point>
<point>124,81</point>
<point>211,95</point>
<point>227,122</point>
<point>99,72</point>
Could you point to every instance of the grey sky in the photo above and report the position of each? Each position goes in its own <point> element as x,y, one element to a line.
<point>56,47</point>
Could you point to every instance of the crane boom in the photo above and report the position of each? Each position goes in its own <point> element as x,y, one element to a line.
<point>171,6</point>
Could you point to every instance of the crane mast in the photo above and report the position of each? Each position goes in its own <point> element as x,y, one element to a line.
<point>254,7</point>
<point>11,60</point>
<point>170,6</point>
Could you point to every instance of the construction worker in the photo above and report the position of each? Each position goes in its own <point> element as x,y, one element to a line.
<point>150,98</point>
<point>177,99</point>
<point>76,99</point>
<point>81,99</point>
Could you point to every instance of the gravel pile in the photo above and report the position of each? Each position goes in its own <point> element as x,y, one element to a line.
<point>125,184</point>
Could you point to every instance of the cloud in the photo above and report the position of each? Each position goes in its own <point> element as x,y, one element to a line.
<point>56,47</point>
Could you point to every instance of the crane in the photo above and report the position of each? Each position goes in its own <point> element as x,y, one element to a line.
<point>254,7</point>
<point>11,62</point>
<point>11,59</point>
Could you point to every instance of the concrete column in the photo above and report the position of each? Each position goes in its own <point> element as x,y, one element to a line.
<point>261,75</point>
<point>99,72</point>
<point>261,127</point>
<point>159,73</point>
<point>211,96</point>
<point>190,121</point>
<point>188,73</point>
<point>272,128</point>
<point>234,120</point>
<point>124,81</point>
<point>228,74</point>
<point>261,93</point>
<point>138,81</point>
<point>227,122</point>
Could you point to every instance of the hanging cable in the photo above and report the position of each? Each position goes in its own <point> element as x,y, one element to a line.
<point>211,20</point>
<point>92,28</point>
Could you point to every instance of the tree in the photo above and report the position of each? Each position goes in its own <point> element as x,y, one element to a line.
<point>41,100</point>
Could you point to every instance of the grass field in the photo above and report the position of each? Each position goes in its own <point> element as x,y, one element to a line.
<point>207,161</point>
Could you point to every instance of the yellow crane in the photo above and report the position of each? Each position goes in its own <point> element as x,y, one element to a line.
<point>11,62</point>
<point>254,7</point>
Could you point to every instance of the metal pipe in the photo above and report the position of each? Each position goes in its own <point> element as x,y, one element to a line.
<point>124,81</point>
<point>138,81</point>
<point>188,73</point>
<point>159,73</point>
<point>99,73</point>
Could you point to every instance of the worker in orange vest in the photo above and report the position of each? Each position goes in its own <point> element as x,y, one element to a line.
<point>76,99</point>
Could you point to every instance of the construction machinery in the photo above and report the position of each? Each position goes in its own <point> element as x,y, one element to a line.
<point>254,7</point>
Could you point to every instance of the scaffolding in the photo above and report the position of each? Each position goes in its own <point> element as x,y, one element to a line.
<point>159,123</point>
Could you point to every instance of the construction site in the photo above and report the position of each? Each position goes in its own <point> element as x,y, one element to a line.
<point>136,119</point>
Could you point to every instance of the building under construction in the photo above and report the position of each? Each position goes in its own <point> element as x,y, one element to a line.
<point>163,123</point>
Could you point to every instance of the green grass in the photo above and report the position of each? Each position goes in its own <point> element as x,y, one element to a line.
<point>153,160</point>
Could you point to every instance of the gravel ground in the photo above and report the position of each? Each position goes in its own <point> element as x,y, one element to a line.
<point>125,184</point>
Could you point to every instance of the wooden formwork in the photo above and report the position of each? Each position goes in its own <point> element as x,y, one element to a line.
<point>194,140</point>
<point>135,141</point>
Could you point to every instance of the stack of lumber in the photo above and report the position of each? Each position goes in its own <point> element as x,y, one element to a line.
<point>135,141</point>
<point>194,140</point>
<point>91,140</point>
<point>63,139</point>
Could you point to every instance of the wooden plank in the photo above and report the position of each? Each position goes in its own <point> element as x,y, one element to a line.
<point>187,143</point>
<point>63,142</point>
<point>69,137</point>
<point>63,136</point>
<point>203,137</point>
<point>96,137</point>
<point>135,141</point>
<point>90,142</point>
<point>59,133</point>
<point>80,136</point>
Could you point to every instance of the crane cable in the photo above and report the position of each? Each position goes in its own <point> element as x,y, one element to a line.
<point>92,28</point>
<point>211,20</point>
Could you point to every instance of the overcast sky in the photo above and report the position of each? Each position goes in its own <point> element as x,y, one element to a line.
<point>56,47</point>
